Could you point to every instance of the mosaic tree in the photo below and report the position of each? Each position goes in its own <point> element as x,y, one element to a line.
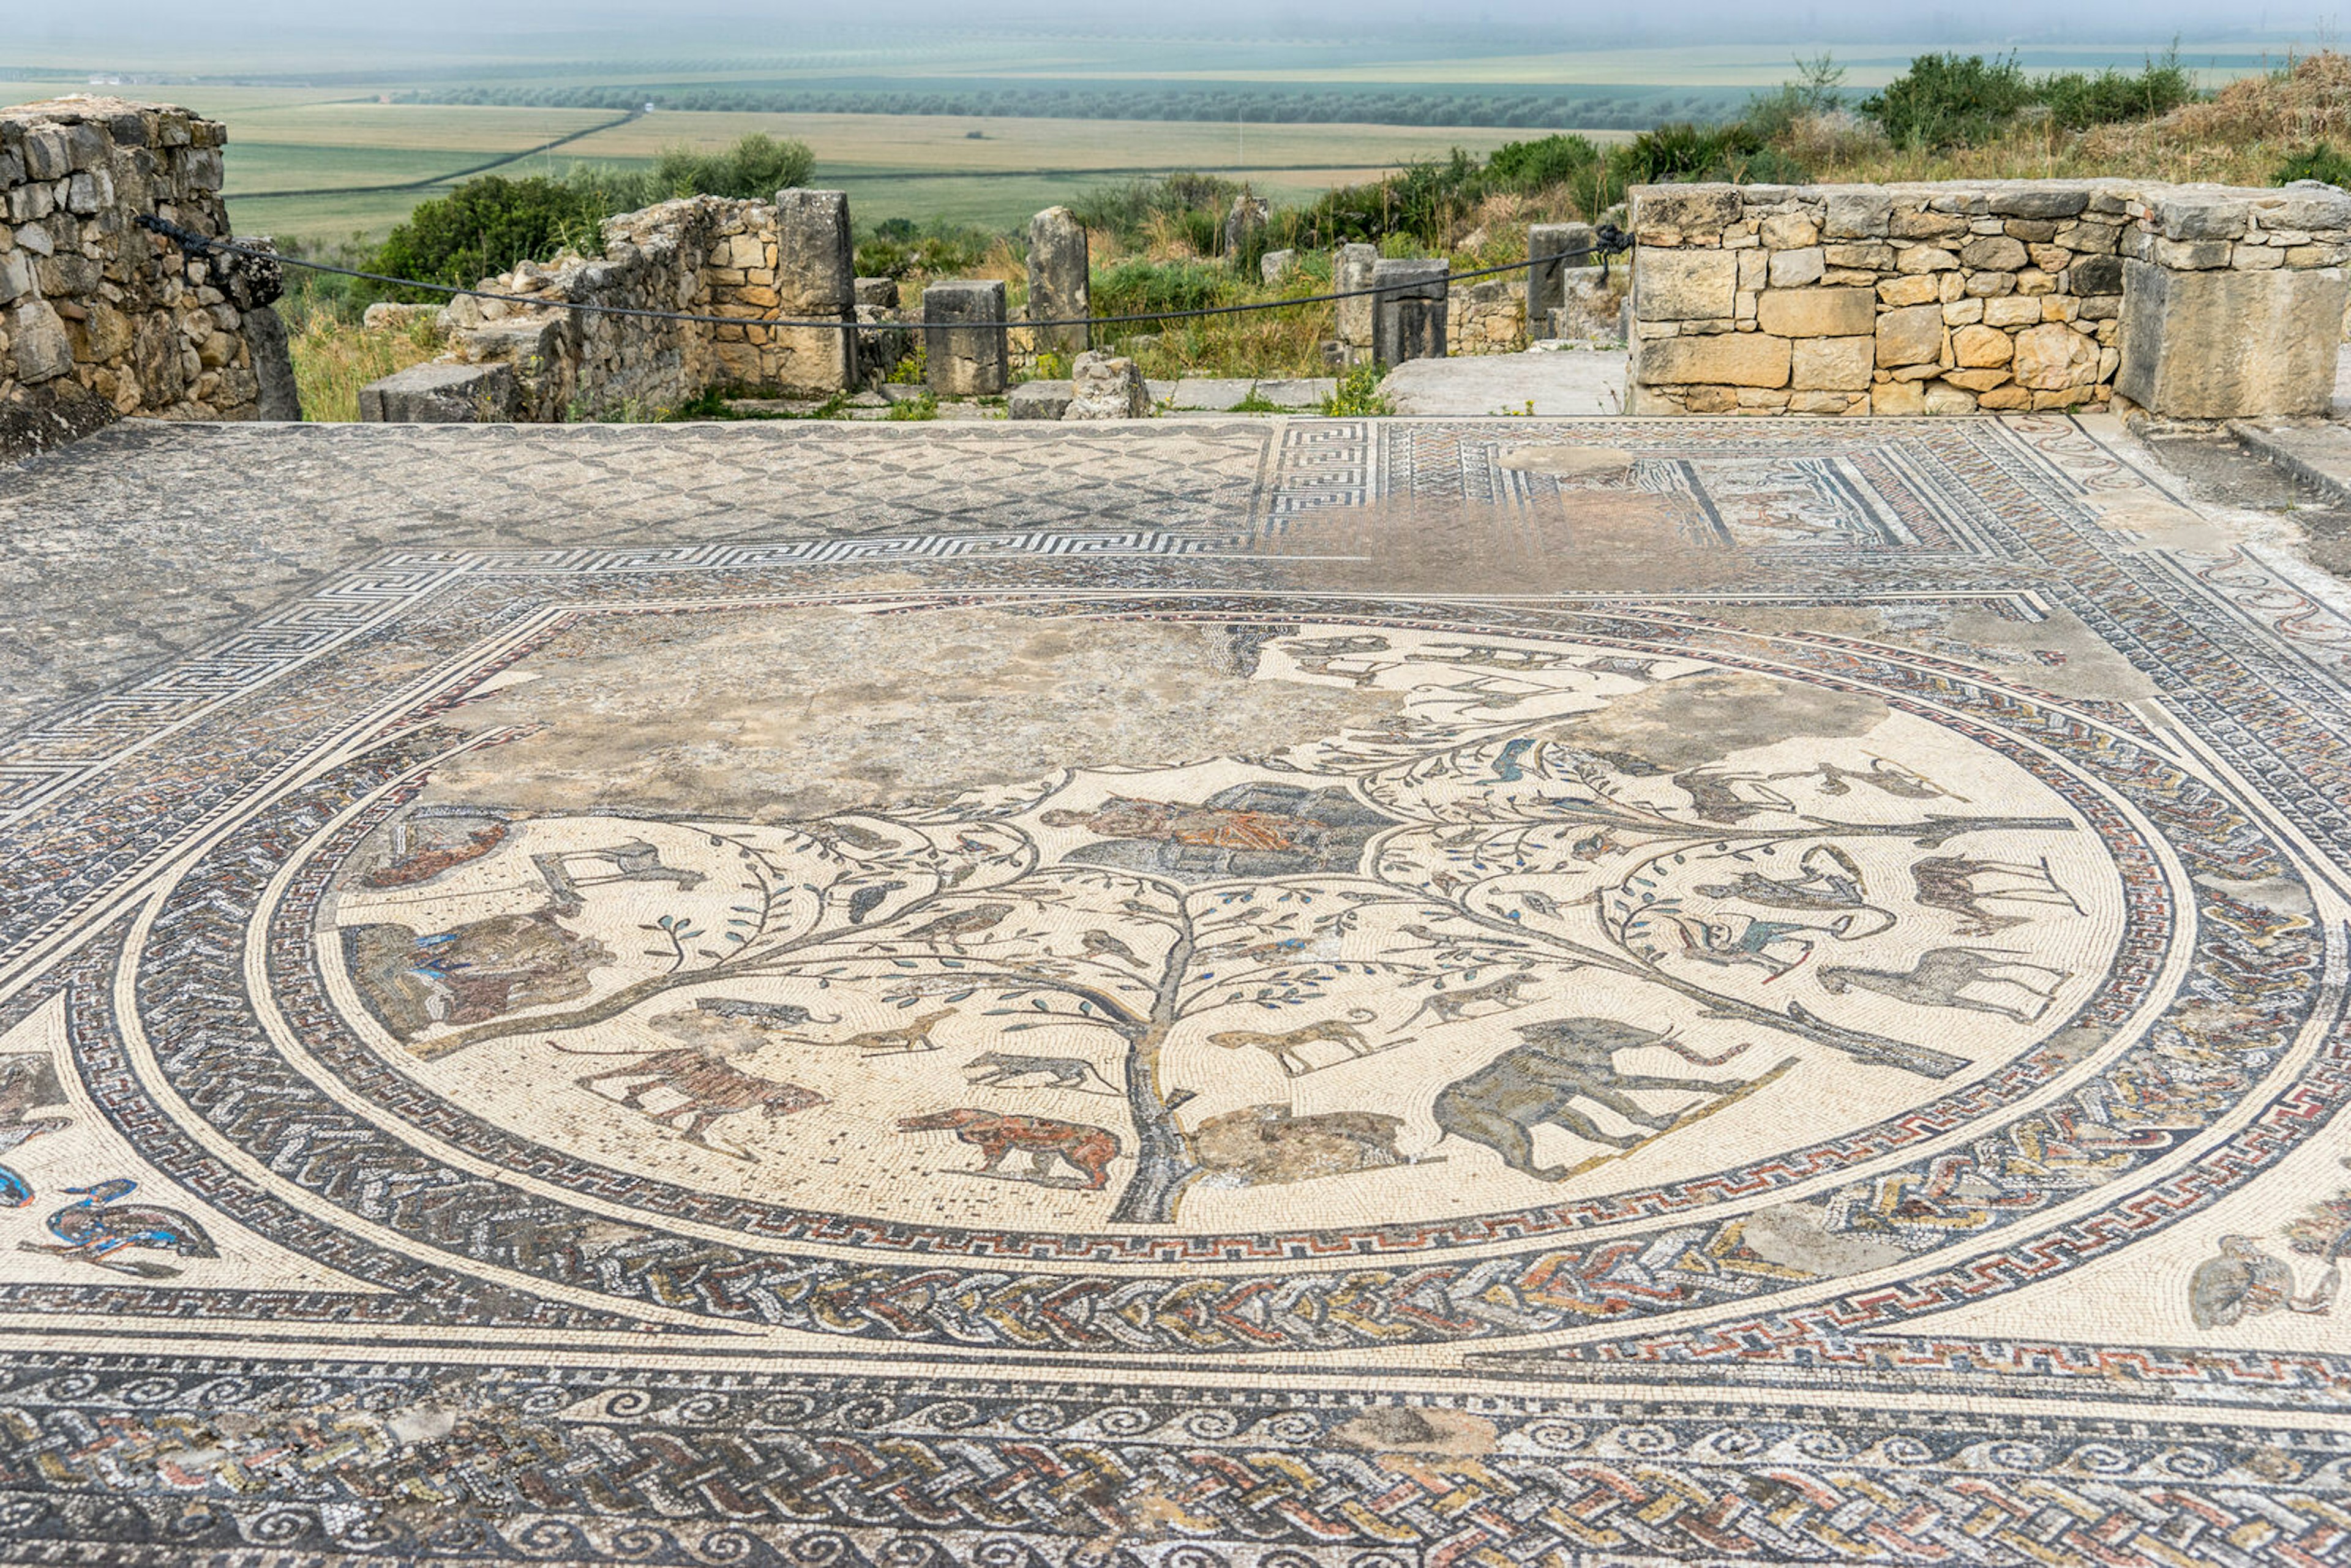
<point>1436,863</point>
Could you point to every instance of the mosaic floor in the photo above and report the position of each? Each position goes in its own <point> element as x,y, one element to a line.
<point>1281,995</point>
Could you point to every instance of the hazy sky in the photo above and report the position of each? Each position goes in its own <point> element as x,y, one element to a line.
<point>132,26</point>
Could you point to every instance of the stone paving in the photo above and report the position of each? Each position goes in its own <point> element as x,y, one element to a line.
<point>1586,992</point>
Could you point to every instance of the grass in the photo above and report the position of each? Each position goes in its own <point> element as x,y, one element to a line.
<point>334,358</point>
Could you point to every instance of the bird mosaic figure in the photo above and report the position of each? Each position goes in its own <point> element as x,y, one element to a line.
<point>99,1227</point>
<point>953,928</point>
<point>866,900</point>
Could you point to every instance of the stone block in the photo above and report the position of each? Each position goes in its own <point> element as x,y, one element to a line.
<point>2309,205</point>
<point>38,342</point>
<point>1915,259</point>
<point>1976,348</point>
<point>1038,400</point>
<point>2006,397</point>
<point>1944,399</point>
<point>2051,357</point>
<point>877,293</point>
<point>441,394</point>
<point>272,366</point>
<point>1858,214</point>
<point>2201,218</point>
<point>1926,225</point>
<point>1899,291</point>
<point>1872,257</point>
<point>1546,280</point>
<point>2029,202</point>
<point>2192,256</point>
<point>15,275</point>
<point>1684,285</point>
<point>1717,358</point>
<point>1910,336</point>
<point>46,154</point>
<point>964,343</point>
<point>1276,265</point>
<point>1408,311</point>
<point>816,279</point>
<point>1898,400</point>
<point>2097,275</point>
<point>2015,310</point>
<point>2230,345</point>
<point>1789,231</point>
<point>1817,312</point>
<point>1106,386</point>
<point>1796,268</point>
<point>1993,253</point>
<point>1832,363</point>
<point>1963,312</point>
<point>1059,280</point>
<point>1981,381</point>
<point>1350,274</point>
<point>1685,209</point>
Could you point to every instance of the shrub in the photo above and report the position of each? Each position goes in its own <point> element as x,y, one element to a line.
<point>758,166</point>
<point>1950,101</point>
<point>1534,165</point>
<point>485,226</point>
<point>1358,395</point>
<point>2077,101</point>
<point>2321,163</point>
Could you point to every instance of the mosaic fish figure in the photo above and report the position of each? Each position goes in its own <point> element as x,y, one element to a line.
<point>99,1225</point>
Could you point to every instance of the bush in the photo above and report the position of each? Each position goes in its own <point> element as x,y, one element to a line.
<point>755,167</point>
<point>2077,101</point>
<point>2321,163</point>
<point>899,248</point>
<point>486,226</point>
<point>1534,165</point>
<point>1950,101</point>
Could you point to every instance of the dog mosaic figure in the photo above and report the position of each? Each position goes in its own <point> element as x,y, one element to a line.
<point>711,1089</point>
<point>1284,1047</point>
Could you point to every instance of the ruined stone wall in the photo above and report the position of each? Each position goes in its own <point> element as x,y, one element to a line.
<point>99,318</point>
<point>1955,298</point>
<point>700,255</point>
<point>1486,316</point>
<point>704,255</point>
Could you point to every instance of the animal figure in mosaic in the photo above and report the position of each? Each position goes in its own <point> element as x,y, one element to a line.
<point>710,1088</point>
<point>423,865</point>
<point>1285,1046</point>
<point>1954,883</point>
<point>1830,884</point>
<point>1088,1151</point>
<point>1003,1069</point>
<point>1486,656</point>
<point>1269,1145</point>
<point>1775,946</point>
<point>1730,798</point>
<point>955,927</point>
<point>914,1035</point>
<point>1886,777</point>
<point>1449,1007</point>
<point>768,1015</point>
<point>2245,1282</point>
<point>635,860</point>
<point>1318,655</point>
<point>1565,1060</point>
<point>100,1226</point>
<point>1941,975</point>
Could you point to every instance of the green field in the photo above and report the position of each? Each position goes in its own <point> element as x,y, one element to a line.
<point>337,123</point>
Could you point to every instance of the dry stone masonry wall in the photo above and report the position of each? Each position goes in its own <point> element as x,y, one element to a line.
<point>99,318</point>
<point>2197,301</point>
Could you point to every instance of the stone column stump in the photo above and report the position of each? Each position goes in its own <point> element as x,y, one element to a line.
<point>964,338</point>
<point>1546,280</point>
<point>816,280</point>
<point>1058,273</point>
<point>1408,312</point>
<point>1350,271</point>
<point>1106,386</point>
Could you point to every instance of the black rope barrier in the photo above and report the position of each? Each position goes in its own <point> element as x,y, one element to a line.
<point>1612,241</point>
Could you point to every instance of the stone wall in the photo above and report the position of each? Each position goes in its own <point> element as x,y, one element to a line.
<point>100,319</point>
<point>1955,298</point>
<point>703,255</point>
<point>1487,316</point>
